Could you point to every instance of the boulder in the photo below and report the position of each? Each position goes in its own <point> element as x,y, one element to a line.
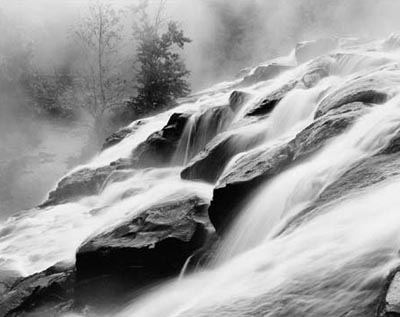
<point>264,72</point>
<point>237,98</point>
<point>153,244</point>
<point>209,164</point>
<point>312,74</point>
<point>116,137</point>
<point>200,130</point>
<point>82,183</point>
<point>261,164</point>
<point>160,147</point>
<point>376,88</point>
<point>364,173</point>
<point>389,305</point>
<point>308,50</point>
<point>50,292</point>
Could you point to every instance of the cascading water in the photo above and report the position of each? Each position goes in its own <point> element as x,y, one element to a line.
<point>291,191</point>
<point>326,267</point>
<point>341,256</point>
<point>332,262</point>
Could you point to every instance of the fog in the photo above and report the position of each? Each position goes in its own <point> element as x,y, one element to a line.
<point>227,36</point>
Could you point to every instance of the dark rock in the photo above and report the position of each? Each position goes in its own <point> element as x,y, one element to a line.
<point>116,137</point>
<point>314,72</point>
<point>52,288</point>
<point>389,305</point>
<point>203,128</point>
<point>209,164</point>
<point>262,163</point>
<point>306,51</point>
<point>262,73</point>
<point>7,280</point>
<point>153,244</point>
<point>365,173</point>
<point>237,99</point>
<point>159,148</point>
<point>373,88</point>
<point>82,183</point>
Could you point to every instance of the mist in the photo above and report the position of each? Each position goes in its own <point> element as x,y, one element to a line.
<point>226,37</point>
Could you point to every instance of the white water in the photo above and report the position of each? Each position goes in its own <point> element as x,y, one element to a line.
<point>36,239</point>
<point>330,265</point>
<point>336,257</point>
<point>291,191</point>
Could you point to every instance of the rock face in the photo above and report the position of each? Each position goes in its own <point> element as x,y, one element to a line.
<point>160,147</point>
<point>390,299</point>
<point>48,293</point>
<point>116,137</point>
<point>375,88</point>
<point>208,165</point>
<point>315,71</point>
<point>237,99</point>
<point>262,163</point>
<point>153,244</point>
<point>82,183</point>
<point>262,73</point>
<point>365,173</point>
<point>200,130</point>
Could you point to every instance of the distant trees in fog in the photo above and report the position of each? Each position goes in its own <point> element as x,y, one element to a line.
<point>161,74</point>
<point>97,78</point>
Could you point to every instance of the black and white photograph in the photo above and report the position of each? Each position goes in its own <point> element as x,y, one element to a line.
<point>199,158</point>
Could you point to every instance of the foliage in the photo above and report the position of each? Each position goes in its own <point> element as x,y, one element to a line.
<point>52,95</point>
<point>98,35</point>
<point>160,71</point>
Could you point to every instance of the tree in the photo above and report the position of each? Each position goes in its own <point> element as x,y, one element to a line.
<point>160,71</point>
<point>99,35</point>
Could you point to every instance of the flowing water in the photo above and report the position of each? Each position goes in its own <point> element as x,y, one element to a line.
<point>340,255</point>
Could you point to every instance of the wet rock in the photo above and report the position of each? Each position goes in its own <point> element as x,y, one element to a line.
<point>153,244</point>
<point>200,130</point>
<point>82,183</point>
<point>375,88</point>
<point>116,137</point>
<point>364,173</point>
<point>262,163</point>
<point>313,73</point>
<point>47,291</point>
<point>389,304</point>
<point>262,73</point>
<point>237,99</point>
<point>7,280</point>
<point>308,50</point>
<point>209,164</point>
<point>159,148</point>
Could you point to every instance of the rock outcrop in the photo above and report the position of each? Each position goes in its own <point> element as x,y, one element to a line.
<point>160,147</point>
<point>376,87</point>
<point>82,183</point>
<point>209,164</point>
<point>259,165</point>
<point>313,73</point>
<point>262,73</point>
<point>48,293</point>
<point>153,244</point>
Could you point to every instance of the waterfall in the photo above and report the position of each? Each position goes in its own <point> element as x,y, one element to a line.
<point>287,252</point>
<point>340,256</point>
<point>291,191</point>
